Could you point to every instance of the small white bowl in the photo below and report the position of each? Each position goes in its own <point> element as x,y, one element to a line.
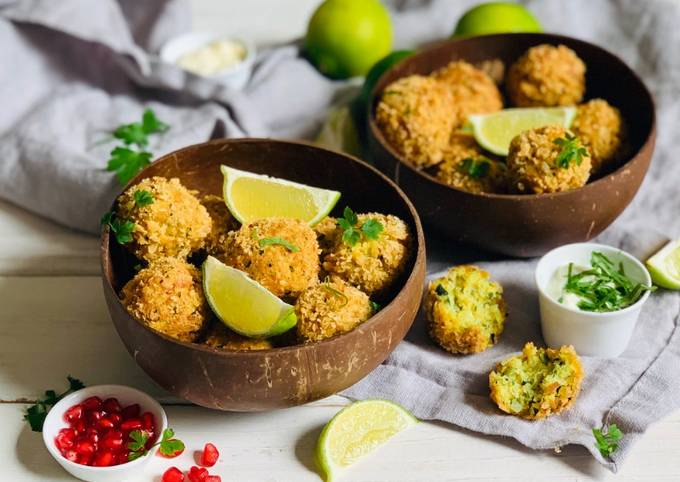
<point>235,77</point>
<point>591,333</point>
<point>126,396</point>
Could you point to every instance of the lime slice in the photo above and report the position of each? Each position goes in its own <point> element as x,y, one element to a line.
<point>243,304</point>
<point>495,131</point>
<point>356,430</point>
<point>664,266</point>
<point>252,196</point>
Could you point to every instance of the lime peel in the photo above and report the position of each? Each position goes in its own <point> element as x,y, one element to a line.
<point>664,266</point>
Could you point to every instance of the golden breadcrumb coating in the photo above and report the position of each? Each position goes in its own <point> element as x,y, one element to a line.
<point>473,91</point>
<point>222,222</point>
<point>168,297</point>
<point>601,128</point>
<point>532,163</point>
<point>415,114</point>
<point>465,310</point>
<point>546,76</point>
<point>174,224</point>
<point>371,265</point>
<point>219,336</point>
<point>538,383</point>
<point>467,167</point>
<point>330,308</point>
<point>277,268</point>
<point>327,234</point>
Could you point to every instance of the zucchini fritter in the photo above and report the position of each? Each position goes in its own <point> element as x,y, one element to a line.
<point>601,128</point>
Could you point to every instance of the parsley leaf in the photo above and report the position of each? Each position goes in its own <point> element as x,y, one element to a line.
<point>372,228</point>
<point>126,163</point>
<point>571,151</point>
<point>121,228</point>
<point>137,132</point>
<point>138,439</point>
<point>35,414</point>
<point>168,445</point>
<point>352,234</point>
<point>475,167</point>
<point>607,438</point>
<point>143,198</point>
<point>151,124</point>
<point>275,240</point>
<point>374,306</point>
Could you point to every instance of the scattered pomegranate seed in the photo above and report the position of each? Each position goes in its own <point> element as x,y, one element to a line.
<point>131,411</point>
<point>74,413</point>
<point>173,474</point>
<point>197,474</point>
<point>131,424</point>
<point>92,403</point>
<point>213,478</point>
<point>209,456</point>
<point>111,405</point>
<point>104,459</point>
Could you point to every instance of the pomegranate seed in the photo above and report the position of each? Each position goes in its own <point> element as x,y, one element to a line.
<point>65,439</point>
<point>131,424</point>
<point>70,455</point>
<point>84,459</point>
<point>94,416</point>
<point>116,418</point>
<point>92,435</point>
<point>113,440</point>
<point>123,457</point>
<point>92,403</point>
<point>148,421</point>
<point>213,478</point>
<point>104,459</point>
<point>111,405</point>
<point>105,424</point>
<point>131,411</point>
<point>197,474</point>
<point>173,474</point>
<point>80,427</point>
<point>209,456</point>
<point>74,413</point>
<point>85,447</point>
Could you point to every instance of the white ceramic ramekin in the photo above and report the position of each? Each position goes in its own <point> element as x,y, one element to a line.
<point>126,396</point>
<point>592,334</point>
<point>235,77</point>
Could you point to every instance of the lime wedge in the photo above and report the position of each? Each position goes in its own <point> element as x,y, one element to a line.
<point>495,131</point>
<point>356,430</point>
<point>664,266</point>
<point>252,196</point>
<point>243,304</point>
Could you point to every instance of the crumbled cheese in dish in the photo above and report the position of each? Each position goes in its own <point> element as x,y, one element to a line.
<point>213,58</point>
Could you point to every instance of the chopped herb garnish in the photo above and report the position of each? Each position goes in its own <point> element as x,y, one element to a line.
<point>352,233</point>
<point>571,151</point>
<point>121,228</point>
<point>441,291</point>
<point>338,294</point>
<point>35,414</point>
<point>604,287</point>
<point>138,132</point>
<point>275,240</point>
<point>126,163</point>
<point>374,306</point>
<point>607,439</point>
<point>168,445</point>
<point>475,167</point>
<point>143,198</point>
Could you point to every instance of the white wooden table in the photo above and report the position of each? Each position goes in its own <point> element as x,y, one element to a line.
<point>53,322</point>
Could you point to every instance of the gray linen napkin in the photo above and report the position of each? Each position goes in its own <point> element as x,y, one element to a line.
<point>78,69</point>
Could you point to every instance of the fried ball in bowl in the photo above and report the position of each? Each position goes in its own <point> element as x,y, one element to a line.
<point>473,91</point>
<point>281,254</point>
<point>538,383</point>
<point>222,223</point>
<point>415,114</point>
<point>168,297</point>
<point>547,159</point>
<point>465,310</point>
<point>601,128</point>
<point>169,220</point>
<point>467,167</point>
<point>330,308</point>
<point>546,76</point>
<point>219,336</point>
<point>372,265</point>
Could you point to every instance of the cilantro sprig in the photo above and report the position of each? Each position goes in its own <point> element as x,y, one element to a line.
<point>607,439</point>
<point>168,445</point>
<point>275,240</point>
<point>475,167</point>
<point>143,198</point>
<point>35,414</point>
<point>121,228</point>
<point>571,151</point>
<point>353,233</point>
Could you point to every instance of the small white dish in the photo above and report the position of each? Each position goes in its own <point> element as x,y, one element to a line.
<point>591,333</point>
<point>126,396</point>
<point>235,76</point>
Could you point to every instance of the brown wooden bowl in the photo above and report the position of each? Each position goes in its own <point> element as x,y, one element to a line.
<point>287,376</point>
<point>525,225</point>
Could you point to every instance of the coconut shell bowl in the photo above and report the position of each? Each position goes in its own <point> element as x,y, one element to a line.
<point>525,225</point>
<point>289,375</point>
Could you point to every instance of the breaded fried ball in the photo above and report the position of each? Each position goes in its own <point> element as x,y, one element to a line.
<point>371,265</point>
<point>601,128</point>
<point>173,223</point>
<point>327,234</point>
<point>538,383</point>
<point>536,162</point>
<point>473,91</point>
<point>465,310</point>
<point>222,223</point>
<point>330,308</point>
<point>281,254</point>
<point>219,336</point>
<point>168,297</point>
<point>466,167</point>
<point>546,76</point>
<point>415,114</point>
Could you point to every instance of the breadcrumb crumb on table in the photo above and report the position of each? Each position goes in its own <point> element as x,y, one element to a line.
<point>219,336</point>
<point>601,128</point>
<point>168,297</point>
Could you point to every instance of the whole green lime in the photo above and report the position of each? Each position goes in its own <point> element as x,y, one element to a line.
<point>380,68</point>
<point>496,17</point>
<point>346,37</point>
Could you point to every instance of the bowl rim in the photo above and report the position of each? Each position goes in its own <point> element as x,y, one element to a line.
<point>550,38</point>
<point>419,258</point>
